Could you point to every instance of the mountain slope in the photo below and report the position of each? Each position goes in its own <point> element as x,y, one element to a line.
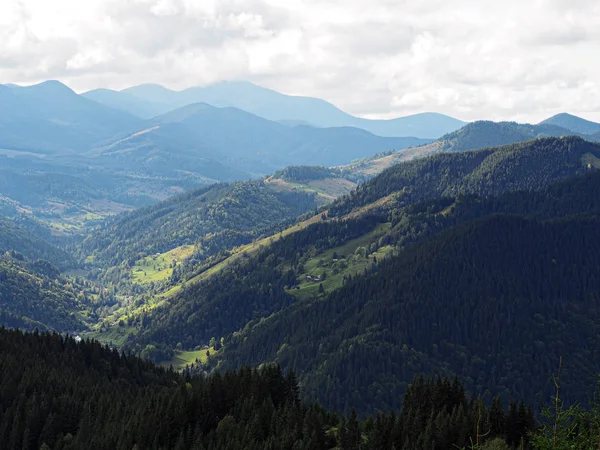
<point>279,107</point>
<point>125,102</point>
<point>529,165</point>
<point>573,123</point>
<point>49,118</point>
<point>31,246</point>
<point>249,300</point>
<point>233,213</point>
<point>496,301</point>
<point>484,134</point>
<point>457,302</point>
<point>194,134</point>
<point>33,296</point>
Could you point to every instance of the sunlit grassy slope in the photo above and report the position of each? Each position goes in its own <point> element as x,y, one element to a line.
<point>159,267</point>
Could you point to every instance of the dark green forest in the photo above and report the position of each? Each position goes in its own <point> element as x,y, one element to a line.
<point>58,394</point>
<point>307,173</point>
<point>527,166</point>
<point>360,344</point>
<point>437,307</point>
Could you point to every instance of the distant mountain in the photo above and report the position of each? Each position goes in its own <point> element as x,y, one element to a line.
<point>69,160</point>
<point>275,106</point>
<point>157,94</point>
<point>128,103</point>
<point>49,118</point>
<point>199,138</point>
<point>573,123</point>
<point>482,134</point>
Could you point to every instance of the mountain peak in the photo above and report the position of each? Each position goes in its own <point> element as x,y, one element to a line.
<point>148,88</point>
<point>52,85</point>
<point>573,123</point>
<point>563,115</point>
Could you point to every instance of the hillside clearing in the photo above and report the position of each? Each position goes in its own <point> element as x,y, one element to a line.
<point>337,263</point>
<point>159,267</point>
<point>182,359</point>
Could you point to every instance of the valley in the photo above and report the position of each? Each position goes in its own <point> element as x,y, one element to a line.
<point>358,270</point>
<point>173,297</point>
<point>299,225</point>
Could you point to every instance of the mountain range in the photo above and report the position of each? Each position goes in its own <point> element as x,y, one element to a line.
<point>472,255</point>
<point>197,134</point>
<point>68,159</point>
<point>50,118</point>
<point>151,100</point>
<point>332,292</point>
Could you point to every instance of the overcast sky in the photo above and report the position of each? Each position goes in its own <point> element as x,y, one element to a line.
<point>505,59</point>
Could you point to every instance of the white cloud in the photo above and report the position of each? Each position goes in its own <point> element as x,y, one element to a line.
<point>378,58</point>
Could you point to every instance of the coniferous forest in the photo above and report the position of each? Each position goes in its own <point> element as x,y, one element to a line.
<point>56,393</point>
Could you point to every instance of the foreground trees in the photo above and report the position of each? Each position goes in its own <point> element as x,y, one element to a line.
<point>58,394</point>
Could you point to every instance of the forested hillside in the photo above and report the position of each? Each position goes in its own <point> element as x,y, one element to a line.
<point>483,134</point>
<point>33,295</point>
<point>57,394</point>
<point>525,166</point>
<point>219,217</point>
<point>275,306</point>
<point>483,301</point>
<point>307,173</point>
<point>30,244</point>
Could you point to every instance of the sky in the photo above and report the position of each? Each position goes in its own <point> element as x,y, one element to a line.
<point>520,60</point>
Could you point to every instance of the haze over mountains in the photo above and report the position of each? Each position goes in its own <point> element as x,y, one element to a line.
<point>151,100</point>
<point>573,123</point>
<point>50,118</point>
<point>68,159</point>
<point>65,155</point>
<point>243,142</point>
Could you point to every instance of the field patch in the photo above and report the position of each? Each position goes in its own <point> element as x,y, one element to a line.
<point>159,267</point>
<point>590,161</point>
<point>331,267</point>
<point>115,335</point>
<point>182,359</point>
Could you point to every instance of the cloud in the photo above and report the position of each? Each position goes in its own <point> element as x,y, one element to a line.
<point>378,58</point>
